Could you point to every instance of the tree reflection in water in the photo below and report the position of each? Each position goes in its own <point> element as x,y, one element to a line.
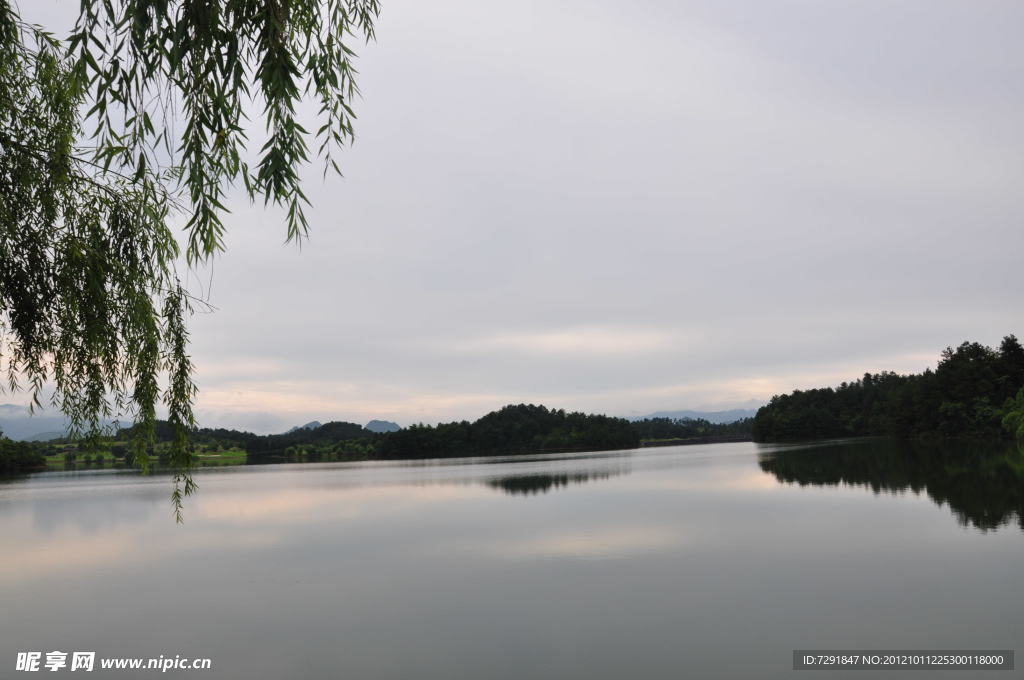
<point>530,484</point>
<point>981,482</point>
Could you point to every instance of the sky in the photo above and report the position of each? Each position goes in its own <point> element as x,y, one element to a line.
<point>631,207</point>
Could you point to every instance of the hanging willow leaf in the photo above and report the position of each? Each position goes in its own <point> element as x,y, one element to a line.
<point>91,175</point>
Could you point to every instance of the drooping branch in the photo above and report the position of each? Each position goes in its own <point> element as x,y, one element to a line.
<point>92,172</point>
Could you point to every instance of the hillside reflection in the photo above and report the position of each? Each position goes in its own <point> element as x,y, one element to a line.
<point>530,484</point>
<point>981,482</point>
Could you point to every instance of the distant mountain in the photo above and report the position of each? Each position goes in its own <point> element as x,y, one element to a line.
<point>382,426</point>
<point>47,436</point>
<point>17,423</point>
<point>730,416</point>
<point>311,425</point>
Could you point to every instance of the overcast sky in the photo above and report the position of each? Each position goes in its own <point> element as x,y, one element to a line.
<point>629,207</point>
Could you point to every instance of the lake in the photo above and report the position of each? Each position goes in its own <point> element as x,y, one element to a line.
<point>693,561</point>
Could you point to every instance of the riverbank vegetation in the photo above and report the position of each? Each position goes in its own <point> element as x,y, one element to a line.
<point>18,457</point>
<point>975,391</point>
<point>512,430</point>
<point>668,431</point>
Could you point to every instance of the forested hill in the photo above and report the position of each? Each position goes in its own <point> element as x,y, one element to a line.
<point>522,428</point>
<point>971,392</point>
<point>514,429</point>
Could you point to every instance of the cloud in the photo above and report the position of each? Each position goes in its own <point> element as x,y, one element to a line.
<point>663,206</point>
<point>594,341</point>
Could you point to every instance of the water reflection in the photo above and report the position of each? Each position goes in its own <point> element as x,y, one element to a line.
<point>656,564</point>
<point>981,482</point>
<point>528,485</point>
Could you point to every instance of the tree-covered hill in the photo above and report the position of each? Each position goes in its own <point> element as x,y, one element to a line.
<point>514,429</point>
<point>329,438</point>
<point>968,394</point>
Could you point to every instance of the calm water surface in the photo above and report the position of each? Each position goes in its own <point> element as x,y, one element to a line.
<point>698,561</point>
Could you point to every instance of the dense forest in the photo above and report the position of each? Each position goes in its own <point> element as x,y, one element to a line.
<point>974,391</point>
<point>514,429</point>
<point>19,457</point>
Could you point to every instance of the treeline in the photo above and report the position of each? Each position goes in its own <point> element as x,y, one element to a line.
<point>654,429</point>
<point>972,391</point>
<point>514,429</point>
<point>199,438</point>
<point>331,441</point>
<point>164,432</point>
<point>16,457</point>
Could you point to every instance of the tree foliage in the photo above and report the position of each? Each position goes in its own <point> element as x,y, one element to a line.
<point>333,437</point>
<point>134,126</point>
<point>1013,420</point>
<point>653,429</point>
<point>16,457</point>
<point>968,394</point>
<point>514,429</point>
